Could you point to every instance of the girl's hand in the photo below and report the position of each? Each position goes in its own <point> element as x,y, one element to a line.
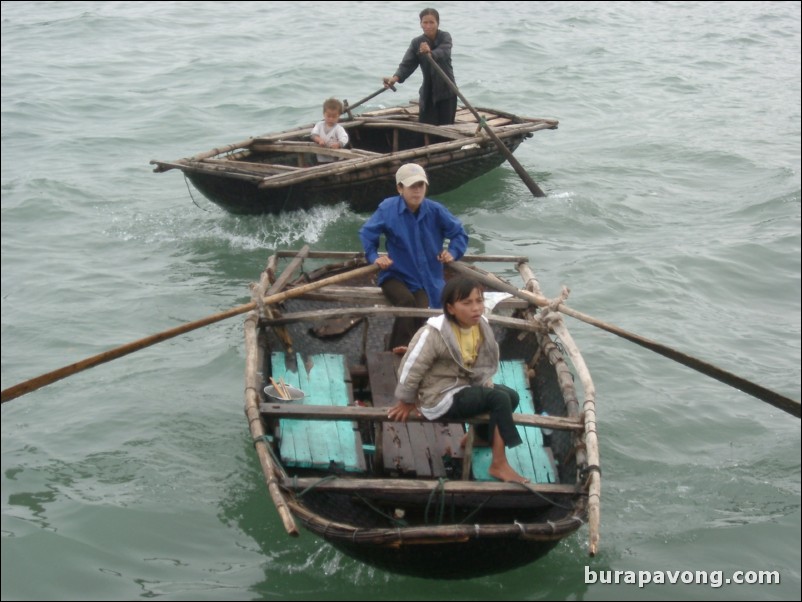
<point>401,411</point>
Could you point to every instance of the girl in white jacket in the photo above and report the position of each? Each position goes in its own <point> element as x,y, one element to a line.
<point>447,372</point>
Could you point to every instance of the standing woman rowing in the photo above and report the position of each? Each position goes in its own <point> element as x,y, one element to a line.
<point>438,103</point>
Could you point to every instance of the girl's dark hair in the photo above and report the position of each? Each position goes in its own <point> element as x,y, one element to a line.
<point>457,289</point>
<point>430,11</point>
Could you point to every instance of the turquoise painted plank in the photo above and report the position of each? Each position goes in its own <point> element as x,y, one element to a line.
<point>294,444</point>
<point>312,443</point>
<point>307,436</point>
<point>338,393</point>
<point>315,433</point>
<point>529,459</point>
<point>323,436</point>
<point>521,457</point>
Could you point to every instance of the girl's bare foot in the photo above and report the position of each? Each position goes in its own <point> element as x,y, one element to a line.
<point>506,474</point>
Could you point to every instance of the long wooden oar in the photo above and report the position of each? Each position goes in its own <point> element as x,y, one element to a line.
<point>755,390</point>
<point>107,356</point>
<point>530,183</point>
<point>348,108</point>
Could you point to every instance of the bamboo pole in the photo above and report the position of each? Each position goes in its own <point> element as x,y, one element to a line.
<point>588,417</point>
<point>293,146</point>
<point>301,131</point>
<point>321,315</point>
<point>265,167</point>
<point>552,530</point>
<point>516,259</point>
<point>443,131</point>
<point>211,153</point>
<point>271,472</point>
<point>254,360</point>
<point>226,171</point>
<point>45,379</point>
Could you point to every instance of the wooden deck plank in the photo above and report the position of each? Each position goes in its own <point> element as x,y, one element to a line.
<point>396,445</point>
<point>410,447</point>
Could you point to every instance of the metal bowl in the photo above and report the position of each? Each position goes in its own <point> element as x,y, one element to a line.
<point>295,394</point>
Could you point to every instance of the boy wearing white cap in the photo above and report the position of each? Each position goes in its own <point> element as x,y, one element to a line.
<point>415,229</point>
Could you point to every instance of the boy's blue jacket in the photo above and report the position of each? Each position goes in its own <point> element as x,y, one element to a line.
<point>413,242</point>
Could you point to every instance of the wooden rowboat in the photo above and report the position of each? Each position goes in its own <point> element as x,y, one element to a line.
<point>407,497</point>
<point>279,172</point>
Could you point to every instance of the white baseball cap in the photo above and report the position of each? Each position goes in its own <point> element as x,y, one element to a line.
<point>409,174</point>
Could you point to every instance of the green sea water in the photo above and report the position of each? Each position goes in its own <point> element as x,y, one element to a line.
<point>673,211</point>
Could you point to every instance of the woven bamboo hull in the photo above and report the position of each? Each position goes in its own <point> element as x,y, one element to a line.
<point>455,551</point>
<point>463,560</point>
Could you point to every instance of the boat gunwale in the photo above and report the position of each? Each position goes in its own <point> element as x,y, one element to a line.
<point>198,163</point>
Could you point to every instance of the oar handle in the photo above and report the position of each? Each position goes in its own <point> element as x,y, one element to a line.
<point>527,179</point>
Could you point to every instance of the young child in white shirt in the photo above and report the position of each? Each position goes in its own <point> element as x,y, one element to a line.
<point>328,132</point>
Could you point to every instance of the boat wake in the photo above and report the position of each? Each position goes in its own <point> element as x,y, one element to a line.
<point>283,230</point>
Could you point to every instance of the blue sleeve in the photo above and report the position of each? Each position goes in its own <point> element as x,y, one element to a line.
<point>370,233</point>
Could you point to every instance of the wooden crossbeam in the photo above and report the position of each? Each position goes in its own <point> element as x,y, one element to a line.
<point>320,412</point>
